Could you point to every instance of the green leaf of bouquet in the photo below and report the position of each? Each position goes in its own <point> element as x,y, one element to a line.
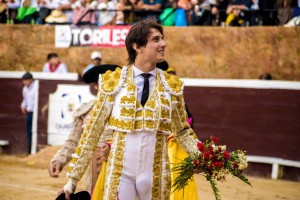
<point>215,189</point>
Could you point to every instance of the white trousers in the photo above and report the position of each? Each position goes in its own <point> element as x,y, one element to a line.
<point>136,179</point>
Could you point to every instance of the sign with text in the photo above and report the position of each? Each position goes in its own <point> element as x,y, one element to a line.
<point>62,104</point>
<point>104,36</point>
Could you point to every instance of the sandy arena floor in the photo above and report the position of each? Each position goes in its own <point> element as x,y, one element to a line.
<point>27,178</point>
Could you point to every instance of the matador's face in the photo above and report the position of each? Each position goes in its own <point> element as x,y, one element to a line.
<point>154,50</point>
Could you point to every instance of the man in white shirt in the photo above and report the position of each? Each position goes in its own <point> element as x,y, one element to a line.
<point>27,105</point>
<point>54,65</point>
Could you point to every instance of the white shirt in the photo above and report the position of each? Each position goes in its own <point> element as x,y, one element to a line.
<point>140,146</point>
<point>14,5</point>
<point>53,4</point>
<point>62,68</point>
<point>28,97</point>
<point>104,16</point>
<point>139,81</point>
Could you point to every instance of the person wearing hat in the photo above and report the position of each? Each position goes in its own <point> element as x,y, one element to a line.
<point>56,17</point>
<point>64,155</point>
<point>27,105</point>
<point>96,58</point>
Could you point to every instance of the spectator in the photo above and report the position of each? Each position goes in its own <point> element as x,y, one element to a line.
<point>204,12</point>
<point>83,12</point>
<point>45,8</point>
<point>284,11</point>
<point>182,8</point>
<point>28,12</point>
<point>65,6</point>
<point>3,13</point>
<point>288,12</point>
<point>9,11</point>
<point>106,15</point>
<point>222,6</point>
<point>295,18</point>
<point>122,7</point>
<point>149,5</point>
<point>268,12</point>
<point>296,8</point>
<point>150,8</point>
<point>54,65</point>
<point>56,17</point>
<point>96,58</point>
<point>236,12</point>
<point>27,105</point>
<point>138,5</point>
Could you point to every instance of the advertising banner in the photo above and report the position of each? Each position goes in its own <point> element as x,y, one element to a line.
<point>104,36</point>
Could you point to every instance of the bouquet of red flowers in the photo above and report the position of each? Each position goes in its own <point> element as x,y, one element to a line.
<point>214,162</point>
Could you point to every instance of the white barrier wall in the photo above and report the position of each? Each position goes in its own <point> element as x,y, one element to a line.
<point>62,104</point>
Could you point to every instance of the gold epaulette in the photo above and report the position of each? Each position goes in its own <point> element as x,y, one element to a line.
<point>83,109</point>
<point>112,81</point>
<point>172,83</point>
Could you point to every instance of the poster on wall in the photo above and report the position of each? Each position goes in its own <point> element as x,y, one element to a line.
<point>62,103</point>
<point>104,36</point>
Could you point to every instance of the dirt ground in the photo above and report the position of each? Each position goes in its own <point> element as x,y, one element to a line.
<point>27,178</point>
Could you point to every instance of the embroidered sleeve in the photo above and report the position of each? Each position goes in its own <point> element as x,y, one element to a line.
<point>90,137</point>
<point>184,135</point>
<point>64,155</point>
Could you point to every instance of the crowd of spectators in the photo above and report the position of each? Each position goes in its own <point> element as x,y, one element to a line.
<point>169,12</point>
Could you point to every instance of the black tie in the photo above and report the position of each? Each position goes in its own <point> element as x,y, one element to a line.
<point>145,93</point>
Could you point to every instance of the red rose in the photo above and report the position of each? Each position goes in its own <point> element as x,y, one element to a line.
<point>235,165</point>
<point>206,155</point>
<point>200,146</point>
<point>196,162</point>
<point>210,148</point>
<point>214,158</point>
<point>226,155</point>
<point>215,139</point>
<point>218,165</point>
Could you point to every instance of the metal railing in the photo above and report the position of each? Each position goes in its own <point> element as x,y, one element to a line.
<point>275,162</point>
<point>138,13</point>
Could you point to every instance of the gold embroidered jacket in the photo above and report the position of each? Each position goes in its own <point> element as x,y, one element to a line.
<point>117,105</point>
